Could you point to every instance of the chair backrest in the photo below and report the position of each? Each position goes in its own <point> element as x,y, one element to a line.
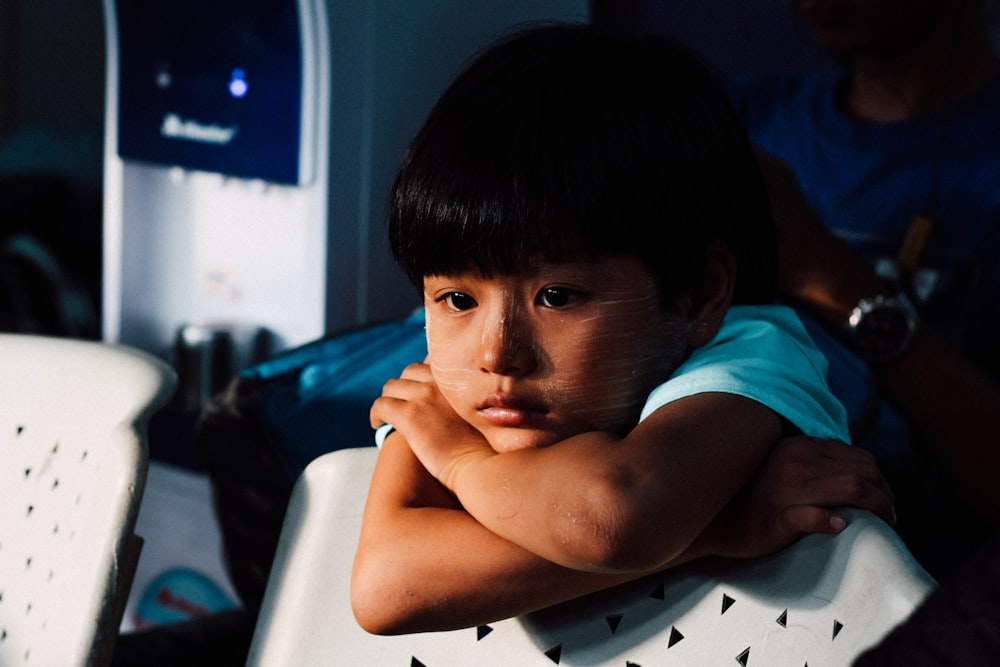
<point>73,463</point>
<point>822,601</point>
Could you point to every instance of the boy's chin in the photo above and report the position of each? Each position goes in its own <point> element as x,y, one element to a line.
<point>513,440</point>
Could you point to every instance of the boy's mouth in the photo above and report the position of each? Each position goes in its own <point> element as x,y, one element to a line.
<point>511,411</point>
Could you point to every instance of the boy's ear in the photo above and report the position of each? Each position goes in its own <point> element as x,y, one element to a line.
<point>712,299</point>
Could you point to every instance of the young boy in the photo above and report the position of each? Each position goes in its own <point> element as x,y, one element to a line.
<point>605,373</point>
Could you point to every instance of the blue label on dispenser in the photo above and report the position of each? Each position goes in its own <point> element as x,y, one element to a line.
<point>213,85</point>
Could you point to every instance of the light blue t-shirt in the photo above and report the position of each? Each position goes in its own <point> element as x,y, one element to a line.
<point>762,353</point>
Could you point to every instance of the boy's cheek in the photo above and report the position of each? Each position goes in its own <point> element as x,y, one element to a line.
<point>453,384</point>
<point>450,380</point>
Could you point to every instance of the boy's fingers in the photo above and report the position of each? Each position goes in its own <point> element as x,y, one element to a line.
<point>800,519</point>
<point>417,371</point>
<point>811,519</point>
<point>853,491</point>
<point>835,449</point>
<point>818,450</point>
<point>376,415</point>
<point>822,457</point>
<point>386,409</point>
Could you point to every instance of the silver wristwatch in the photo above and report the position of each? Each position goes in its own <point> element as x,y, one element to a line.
<point>881,327</point>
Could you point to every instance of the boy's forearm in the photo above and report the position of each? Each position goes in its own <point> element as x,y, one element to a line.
<point>561,502</point>
<point>575,510</point>
<point>434,567</point>
<point>599,503</point>
<point>467,577</point>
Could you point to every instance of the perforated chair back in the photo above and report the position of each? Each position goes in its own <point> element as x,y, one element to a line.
<point>73,462</point>
<point>818,603</point>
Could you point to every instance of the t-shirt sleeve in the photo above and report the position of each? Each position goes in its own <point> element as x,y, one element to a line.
<point>762,353</point>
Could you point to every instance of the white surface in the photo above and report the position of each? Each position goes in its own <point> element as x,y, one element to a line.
<point>822,601</point>
<point>72,426</point>
<point>178,525</point>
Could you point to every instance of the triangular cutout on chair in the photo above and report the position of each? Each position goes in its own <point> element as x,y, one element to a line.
<point>482,631</point>
<point>658,592</point>
<point>554,654</point>
<point>416,663</point>
<point>613,621</point>
<point>837,627</point>
<point>727,602</point>
<point>783,619</point>
<point>744,657</point>
<point>675,636</point>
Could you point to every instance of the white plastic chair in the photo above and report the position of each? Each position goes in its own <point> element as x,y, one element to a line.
<point>821,602</point>
<point>73,462</point>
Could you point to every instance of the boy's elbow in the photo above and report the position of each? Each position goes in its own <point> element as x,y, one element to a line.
<point>369,615</point>
<point>373,606</point>
<point>623,551</point>
<point>366,612</point>
<point>373,619</point>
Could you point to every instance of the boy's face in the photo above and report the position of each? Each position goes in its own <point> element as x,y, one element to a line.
<point>555,350</point>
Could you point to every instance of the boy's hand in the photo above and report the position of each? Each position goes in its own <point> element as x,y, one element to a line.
<point>794,492</point>
<point>416,408</point>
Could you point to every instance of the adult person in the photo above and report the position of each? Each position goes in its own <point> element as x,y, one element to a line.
<point>886,192</point>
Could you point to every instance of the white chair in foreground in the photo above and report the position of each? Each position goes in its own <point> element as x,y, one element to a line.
<point>821,602</point>
<point>73,462</point>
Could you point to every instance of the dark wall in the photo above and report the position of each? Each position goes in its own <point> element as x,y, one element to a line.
<point>731,35</point>
<point>52,61</point>
<point>51,142</point>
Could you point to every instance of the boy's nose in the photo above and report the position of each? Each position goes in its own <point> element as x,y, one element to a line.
<point>507,347</point>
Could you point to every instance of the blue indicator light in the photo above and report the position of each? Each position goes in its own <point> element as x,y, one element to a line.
<point>238,84</point>
<point>164,79</point>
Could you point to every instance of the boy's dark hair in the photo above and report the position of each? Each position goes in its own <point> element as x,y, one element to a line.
<point>566,142</point>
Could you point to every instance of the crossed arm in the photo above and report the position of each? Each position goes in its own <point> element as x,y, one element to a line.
<point>456,535</point>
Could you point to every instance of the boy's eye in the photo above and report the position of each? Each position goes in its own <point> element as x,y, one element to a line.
<point>459,301</point>
<point>556,297</point>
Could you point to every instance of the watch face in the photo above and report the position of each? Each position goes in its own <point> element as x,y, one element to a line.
<point>884,330</point>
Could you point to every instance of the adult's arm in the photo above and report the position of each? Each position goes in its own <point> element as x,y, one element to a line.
<point>951,403</point>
